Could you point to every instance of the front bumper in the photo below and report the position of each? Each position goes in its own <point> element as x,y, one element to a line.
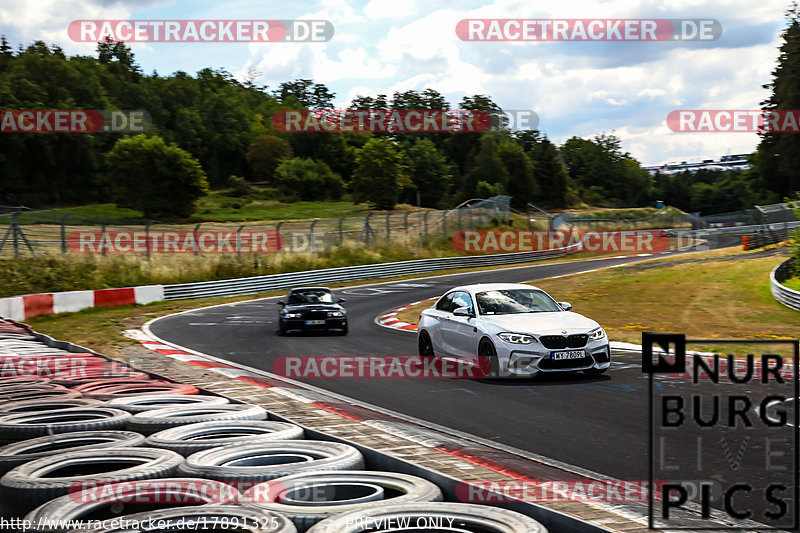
<point>526,362</point>
<point>289,324</point>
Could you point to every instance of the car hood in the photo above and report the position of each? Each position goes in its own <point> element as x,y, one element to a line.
<point>313,307</point>
<point>554,323</point>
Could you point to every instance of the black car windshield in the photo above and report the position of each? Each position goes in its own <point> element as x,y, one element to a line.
<point>512,301</point>
<point>310,296</point>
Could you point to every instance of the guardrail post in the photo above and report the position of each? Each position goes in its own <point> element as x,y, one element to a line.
<point>195,232</point>
<point>103,239</point>
<point>147,238</point>
<point>278,236</point>
<point>239,242</point>
<point>64,233</point>
<point>341,230</point>
<point>311,237</point>
<point>367,229</point>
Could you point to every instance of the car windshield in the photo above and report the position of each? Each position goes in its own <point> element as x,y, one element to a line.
<point>310,296</point>
<point>512,301</point>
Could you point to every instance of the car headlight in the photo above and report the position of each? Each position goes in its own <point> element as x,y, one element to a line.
<point>597,334</point>
<point>335,313</point>
<point>516,338</point>
<point>292,315</point>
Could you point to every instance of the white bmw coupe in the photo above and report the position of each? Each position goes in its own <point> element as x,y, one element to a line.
<point>519,329</point>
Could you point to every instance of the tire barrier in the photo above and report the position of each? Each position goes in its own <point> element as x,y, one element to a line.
<point>13,455</point>
<point>270,460</point>
<point>137,404</point>
<point>29,425</point>
<point>115,499</point>
<point>46,404</point>
<point>193,438</point>
<point>148,422</point>
<point>311,497</point>
<point>31,484</point>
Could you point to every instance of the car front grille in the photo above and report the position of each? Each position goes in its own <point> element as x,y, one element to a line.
<point>563,364</point>
<point>561,342</point>
<point>315,315</point>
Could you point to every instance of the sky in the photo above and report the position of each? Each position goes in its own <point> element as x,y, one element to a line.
<point>381,46</point>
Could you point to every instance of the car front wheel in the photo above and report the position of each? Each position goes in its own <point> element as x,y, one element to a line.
<point>486,350</point>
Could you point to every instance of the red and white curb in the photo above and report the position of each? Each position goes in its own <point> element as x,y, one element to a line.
<point>390,320</point>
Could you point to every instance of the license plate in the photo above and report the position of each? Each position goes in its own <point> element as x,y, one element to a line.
<point>314,322</point>
<point>577,354</point>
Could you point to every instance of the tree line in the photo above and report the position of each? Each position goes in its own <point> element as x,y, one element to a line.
<point>213,131</point>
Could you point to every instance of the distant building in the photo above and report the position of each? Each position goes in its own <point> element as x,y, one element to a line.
<point>726,162</point>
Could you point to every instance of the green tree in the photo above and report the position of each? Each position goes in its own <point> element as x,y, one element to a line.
<point>306,179</point>
<point>307,93</point>
<point>154,177</point>
<point>379,174</point>
<point>779,152</point>
<point>487,167</point>
<point>551,174</point>
<point>429,171</point>
<point>264,156</point>
<point>522,185</point>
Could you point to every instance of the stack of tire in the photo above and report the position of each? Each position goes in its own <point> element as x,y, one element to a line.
<point>84,439</point>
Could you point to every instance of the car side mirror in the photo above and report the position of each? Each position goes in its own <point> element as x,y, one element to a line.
<point>340,300</point>
<point>566,306</point>
<point>281,302</point>
<point>463,311</point>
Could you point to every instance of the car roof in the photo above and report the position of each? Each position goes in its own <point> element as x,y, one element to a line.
<point>310,288</point>
<point>480,287</point>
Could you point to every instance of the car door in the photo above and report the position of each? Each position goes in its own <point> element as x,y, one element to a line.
<point>461,329</point>
<point>438,317</point>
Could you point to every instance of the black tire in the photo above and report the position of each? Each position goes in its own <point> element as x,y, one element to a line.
<point>31,484</point>
<point>148,422</point>
<point>250,518</point>
<point>13,455</point>
<point>72,379</point>
<point>259,462</point>
<point>124,389</point>
<point>44,394</point>
<point>340,489</point>
<point>128,498</point>
<point>23,426</point>
<point>193,438</point>
<point>424,344</point>
<point>487,351</point>
<point>31,406</point>
<point>138,404</point>
<point>465,517</point>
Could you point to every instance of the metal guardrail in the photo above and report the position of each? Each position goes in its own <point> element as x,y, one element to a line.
<point>788,297</point>
<point>239,286</point>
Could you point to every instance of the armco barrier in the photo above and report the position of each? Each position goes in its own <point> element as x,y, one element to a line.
<point>788,297</point>
<point>233,287</point>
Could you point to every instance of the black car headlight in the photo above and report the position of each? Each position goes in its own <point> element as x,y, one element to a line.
<point>597,334</point>
<point>292,315</point>
<point>335,313</point>
<point>516,338</point>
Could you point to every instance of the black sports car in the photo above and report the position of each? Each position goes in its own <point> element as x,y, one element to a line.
<point>312,309</point>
